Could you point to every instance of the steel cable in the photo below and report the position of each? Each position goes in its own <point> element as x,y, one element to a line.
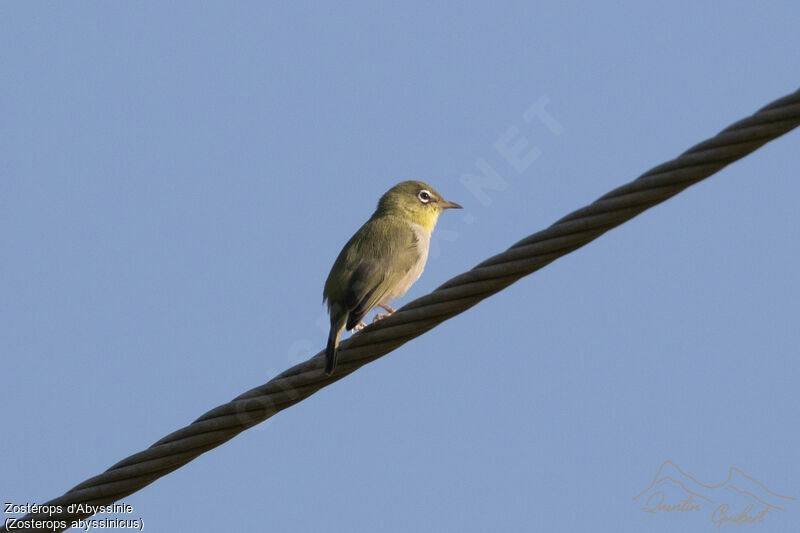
<point>455,296</point>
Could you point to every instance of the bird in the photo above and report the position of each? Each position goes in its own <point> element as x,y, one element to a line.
<point>382,259</point>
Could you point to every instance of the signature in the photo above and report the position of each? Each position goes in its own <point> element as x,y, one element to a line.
<point>721,516</point>
<point>740,499</point>
<point>655,503</point>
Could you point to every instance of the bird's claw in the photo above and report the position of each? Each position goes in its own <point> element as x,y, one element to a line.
<point>359,326</point>
<point>389,311</point>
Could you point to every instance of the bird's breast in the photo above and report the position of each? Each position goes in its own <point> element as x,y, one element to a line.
<point>422,241</point>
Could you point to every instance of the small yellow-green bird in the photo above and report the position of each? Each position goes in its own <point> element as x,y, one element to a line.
<point>382,260</point>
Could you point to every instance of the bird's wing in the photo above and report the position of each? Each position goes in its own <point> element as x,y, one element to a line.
<point>385,253</point>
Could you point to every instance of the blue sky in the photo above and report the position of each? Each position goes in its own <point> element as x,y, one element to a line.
<point>179,177</point>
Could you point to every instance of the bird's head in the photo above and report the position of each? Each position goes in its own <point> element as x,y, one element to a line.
<point>416,202</point>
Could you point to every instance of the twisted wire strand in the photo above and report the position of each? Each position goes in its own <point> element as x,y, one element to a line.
<point>455,296</point>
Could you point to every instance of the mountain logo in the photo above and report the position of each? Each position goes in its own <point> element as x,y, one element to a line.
<point>740,499</point>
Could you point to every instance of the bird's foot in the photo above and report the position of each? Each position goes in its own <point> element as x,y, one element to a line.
<point>358,327</point>
<point>388,308</point>
<point>389,311</point>
<point>380,316</point>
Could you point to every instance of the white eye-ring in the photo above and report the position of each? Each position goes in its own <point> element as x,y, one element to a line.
<point>424,196</point>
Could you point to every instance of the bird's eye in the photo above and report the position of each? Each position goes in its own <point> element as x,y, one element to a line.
<point>424,196</point>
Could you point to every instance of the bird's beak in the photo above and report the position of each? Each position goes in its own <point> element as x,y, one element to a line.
<point>444,204</point>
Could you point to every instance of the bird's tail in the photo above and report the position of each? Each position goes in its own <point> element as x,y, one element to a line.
<point>333,346</point>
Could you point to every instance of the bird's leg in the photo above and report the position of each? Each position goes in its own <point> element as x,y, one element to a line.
<point>389,311</point>
<point>359,326</point>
